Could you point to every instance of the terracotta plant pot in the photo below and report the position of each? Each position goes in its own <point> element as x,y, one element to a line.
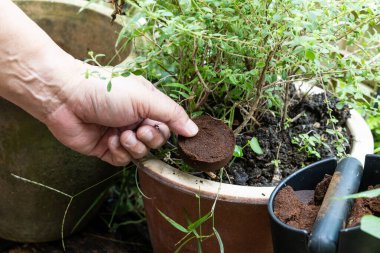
<point>349,240</point>
<point>29,212</point>
<point>241,216</point>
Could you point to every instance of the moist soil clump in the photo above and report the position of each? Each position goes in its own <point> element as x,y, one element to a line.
<point>294,211</point>
<point>364,206</point>
<point>307,115</point>
<point>211,148</point>
<point>291,210</point>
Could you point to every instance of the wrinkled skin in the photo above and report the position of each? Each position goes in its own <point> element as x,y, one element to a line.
<point>116,126</point>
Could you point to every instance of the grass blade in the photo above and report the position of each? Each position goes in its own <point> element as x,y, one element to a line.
<point>219,240</point>
<point>199,222</point>
<point>173,223</point>
<point>371,225</point>
<point>183,244</point>
<point>366,194</point>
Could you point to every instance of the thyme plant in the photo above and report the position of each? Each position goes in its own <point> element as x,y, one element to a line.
<point>236,59</point>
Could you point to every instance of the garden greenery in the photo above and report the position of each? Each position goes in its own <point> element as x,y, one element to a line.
<point>237,58</point>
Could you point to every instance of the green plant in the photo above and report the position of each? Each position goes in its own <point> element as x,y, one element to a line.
<point>253,144</point>
<point>194,229</point>
<point>70,201</point>
<point>309,143</point>
<point>373,121</point>
<point>237,59</point>
<point>128,202</point>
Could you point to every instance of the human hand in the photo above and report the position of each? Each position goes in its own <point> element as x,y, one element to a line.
<point>48,83</point>
<point>119,125</point>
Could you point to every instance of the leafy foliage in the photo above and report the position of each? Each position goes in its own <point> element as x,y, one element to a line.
<point>227,57</point>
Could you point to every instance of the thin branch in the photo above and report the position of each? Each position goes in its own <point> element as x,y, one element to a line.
<point>286,105</point>
<point>246,112</point>
<point>299,115</point>
<point>260,85</point>
<point>207,90</point>
<point>277,173</point>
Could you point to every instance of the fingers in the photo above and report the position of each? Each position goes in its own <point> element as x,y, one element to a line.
<point>127,145</point>
<point>114,153</point>
<point>132,145</point>
<point>153,134</point>
<point>156,105</point>
<point>119,155</point>
<point>172,114</point>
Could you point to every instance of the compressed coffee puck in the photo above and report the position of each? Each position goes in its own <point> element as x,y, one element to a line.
<point>212,147</point>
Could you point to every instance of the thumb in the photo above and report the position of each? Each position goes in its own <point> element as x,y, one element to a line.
<point>158,106</point>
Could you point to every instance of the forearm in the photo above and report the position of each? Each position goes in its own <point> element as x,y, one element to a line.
<point>32,67</point>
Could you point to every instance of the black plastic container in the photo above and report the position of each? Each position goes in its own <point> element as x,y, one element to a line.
<point>287,239</point>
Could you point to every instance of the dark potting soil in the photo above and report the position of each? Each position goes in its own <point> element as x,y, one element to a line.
<point>311,116</point>
<point>291,210</point>
<point>212,148</point>
<point>364,206</point>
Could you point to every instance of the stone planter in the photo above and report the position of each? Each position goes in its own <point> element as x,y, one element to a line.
<point>241,211</point>
<point>29,212</point>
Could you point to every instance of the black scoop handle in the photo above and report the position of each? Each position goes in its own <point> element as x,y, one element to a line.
<point>334,211</point>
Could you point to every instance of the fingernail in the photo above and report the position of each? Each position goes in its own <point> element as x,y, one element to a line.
<point>191,128</point>
<point>130,141</point>
<point>148,135</point>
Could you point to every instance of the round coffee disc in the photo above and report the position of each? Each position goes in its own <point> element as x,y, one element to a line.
<point>211,149</point>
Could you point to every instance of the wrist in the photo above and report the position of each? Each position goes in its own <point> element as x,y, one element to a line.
<point>35,72</point>
<point>37,81</point>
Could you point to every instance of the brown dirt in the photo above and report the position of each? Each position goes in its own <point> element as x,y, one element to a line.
<point>291,210</point>
<point>211,148</point>
<point>257,170</point>
<point>321,189</point>
<point>364,206</point>
<point>309,114</point>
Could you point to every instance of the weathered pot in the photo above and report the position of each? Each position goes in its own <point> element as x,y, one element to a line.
<point>29,212</point>
<point>241,216</point>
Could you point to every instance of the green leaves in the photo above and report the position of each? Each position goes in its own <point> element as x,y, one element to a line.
<point>238,151</point>
<point>371,225</point>
<point>255,146</point>
<point>365,194</point>
<point>191,227</point>
<point>192,230</point>
<point>109,85</point>
<point>185,5</point>
<point>309,54</point>
<point>227,43</point>
<point>173,223</point>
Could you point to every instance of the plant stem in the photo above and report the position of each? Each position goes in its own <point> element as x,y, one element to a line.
<point>207,90</point>
<point>260,85</point>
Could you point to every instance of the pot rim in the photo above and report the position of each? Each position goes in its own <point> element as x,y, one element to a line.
<point>99,8</point>
<point>362,144</point>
